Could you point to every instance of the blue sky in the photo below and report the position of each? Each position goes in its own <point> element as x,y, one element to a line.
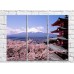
<point>52,19</point>
<point>16,24</point>
<point>15,21</point>
<point>36,23</point>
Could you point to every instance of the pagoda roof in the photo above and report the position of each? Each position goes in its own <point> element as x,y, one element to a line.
<point>58,29</point>
<point>55,31</point>
<point>59,21</point>
<point>53,38</point>
<point>62,28</point>
<point>60,38</point>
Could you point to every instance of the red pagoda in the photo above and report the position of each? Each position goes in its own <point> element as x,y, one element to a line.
<point>62,30</point>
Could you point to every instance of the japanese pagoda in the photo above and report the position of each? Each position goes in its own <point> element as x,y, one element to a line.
<point>62,31</point>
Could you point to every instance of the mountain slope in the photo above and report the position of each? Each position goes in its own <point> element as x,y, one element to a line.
<point>31,34</point>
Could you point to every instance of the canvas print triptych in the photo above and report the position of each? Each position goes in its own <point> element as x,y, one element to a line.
<point>37,38</point>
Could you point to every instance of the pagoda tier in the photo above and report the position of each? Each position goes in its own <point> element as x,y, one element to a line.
<point>63,35</point>
<point>62,28</point>
<point>59,31</point>
<point>60,41</point>
<point>62,31</point>
<point>60,22</point>
<point>62,38</point>
<point>59,38</point>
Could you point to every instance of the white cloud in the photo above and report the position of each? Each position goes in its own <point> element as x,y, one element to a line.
<point>36,29</point>
<point>14,31</point>
<point>22,29</point>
